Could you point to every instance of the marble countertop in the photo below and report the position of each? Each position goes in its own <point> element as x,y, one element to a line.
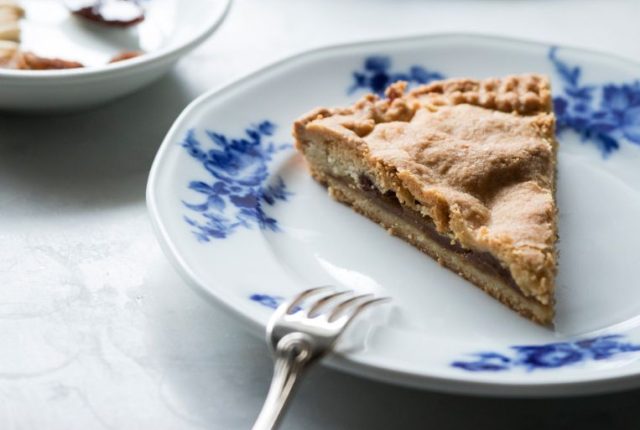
<point>97,331</point>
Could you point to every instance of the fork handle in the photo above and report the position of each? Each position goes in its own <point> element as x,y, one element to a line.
<point>293,354</point>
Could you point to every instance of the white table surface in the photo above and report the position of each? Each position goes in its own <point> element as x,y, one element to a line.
<point>97,330</point>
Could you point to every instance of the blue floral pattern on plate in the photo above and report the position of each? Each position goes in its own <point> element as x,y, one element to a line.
<point>267,300</point>
<point>239,169</point>
<point>270,301</point>
<point>602,114</point>
<point>376,75</point>
<point>549,356</point>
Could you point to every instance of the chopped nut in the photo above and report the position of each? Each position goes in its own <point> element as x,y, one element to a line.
<point>126,55</point>
<point>10,31</point>
<point>8,51</point>
<point>8,15</point>
<point>31,61</point>
<point>12,6</point>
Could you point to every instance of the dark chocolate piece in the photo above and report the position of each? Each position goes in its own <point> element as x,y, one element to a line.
<point>116,13</point>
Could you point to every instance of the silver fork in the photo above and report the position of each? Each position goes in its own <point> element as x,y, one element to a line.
<point>299,337</point>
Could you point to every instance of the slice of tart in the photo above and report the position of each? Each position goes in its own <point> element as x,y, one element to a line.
<point>462,169</point>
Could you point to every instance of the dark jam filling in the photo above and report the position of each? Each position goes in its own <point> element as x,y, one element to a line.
<point>483,261</point>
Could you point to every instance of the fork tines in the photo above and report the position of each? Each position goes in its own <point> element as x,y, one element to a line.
<point>328,306</point>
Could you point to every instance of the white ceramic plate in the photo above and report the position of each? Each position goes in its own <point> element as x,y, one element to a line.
<point>171,29</point>
<point>240,217</point>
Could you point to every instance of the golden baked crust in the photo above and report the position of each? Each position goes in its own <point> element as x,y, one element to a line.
<point>477,157</point>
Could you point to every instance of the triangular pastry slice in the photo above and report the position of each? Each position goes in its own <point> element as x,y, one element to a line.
<point>462,169</point>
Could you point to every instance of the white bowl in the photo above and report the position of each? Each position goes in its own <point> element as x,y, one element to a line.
<point>170,30</point>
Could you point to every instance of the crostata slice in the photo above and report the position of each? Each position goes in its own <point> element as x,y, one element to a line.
<point>462,169</point>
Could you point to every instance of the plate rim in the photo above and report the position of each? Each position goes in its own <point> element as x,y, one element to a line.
<point>449,384</point>
<point>156,56</point>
